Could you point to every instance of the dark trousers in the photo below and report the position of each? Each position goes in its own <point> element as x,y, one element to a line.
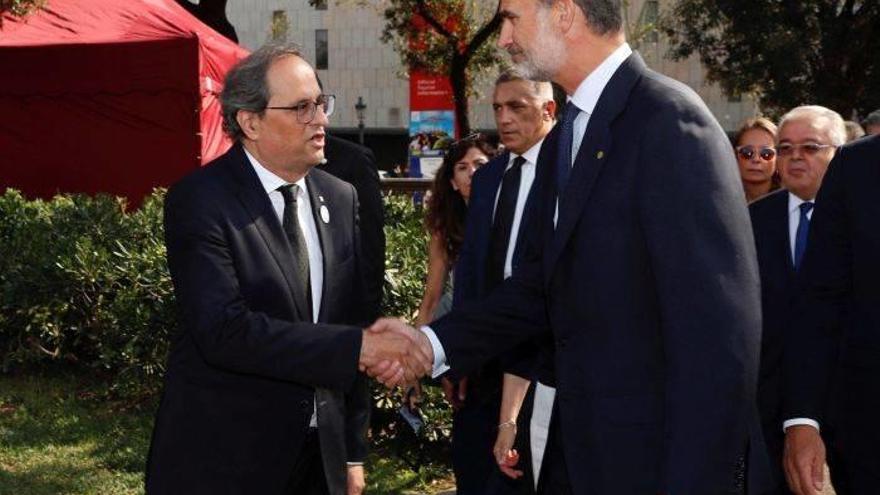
<point>307,476</point>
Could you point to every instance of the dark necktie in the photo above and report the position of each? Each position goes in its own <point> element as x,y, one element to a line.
<point>564,147</point>
<point>294,232</point>
<point>800,237</point>
<point>503,223</point>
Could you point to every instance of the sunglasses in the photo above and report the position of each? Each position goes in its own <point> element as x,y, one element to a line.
<point>807,149</point>
<point>748,152</point>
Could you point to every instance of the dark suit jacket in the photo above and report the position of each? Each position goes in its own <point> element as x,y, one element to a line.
<point>836,352</point>
<point>471,283</point>
<point>770,225</point>
<point>356,165</point>
<point>245,363</point>
<point>649,284</point>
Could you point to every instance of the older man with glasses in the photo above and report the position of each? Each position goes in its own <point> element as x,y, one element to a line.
<point>262,393</point>
<point>806,142</point>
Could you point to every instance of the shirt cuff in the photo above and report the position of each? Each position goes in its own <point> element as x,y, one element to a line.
<point>800,422</point>
<point>350,464</point>
<point>440,365</point>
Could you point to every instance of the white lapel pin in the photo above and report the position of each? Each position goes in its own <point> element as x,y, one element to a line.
<point>325,213</point>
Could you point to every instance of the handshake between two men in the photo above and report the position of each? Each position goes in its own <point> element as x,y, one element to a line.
<point>395,353</point>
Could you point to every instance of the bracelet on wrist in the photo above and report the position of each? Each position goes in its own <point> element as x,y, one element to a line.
<point>507,424</point>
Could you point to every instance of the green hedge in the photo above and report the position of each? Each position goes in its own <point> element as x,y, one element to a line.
<point>84,282</point>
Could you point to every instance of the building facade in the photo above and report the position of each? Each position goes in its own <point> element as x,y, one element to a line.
<point>341,38</point>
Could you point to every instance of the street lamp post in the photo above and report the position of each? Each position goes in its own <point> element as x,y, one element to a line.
<point>360,107</point>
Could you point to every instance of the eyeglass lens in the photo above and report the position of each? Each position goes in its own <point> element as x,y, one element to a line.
<point>747,152</point>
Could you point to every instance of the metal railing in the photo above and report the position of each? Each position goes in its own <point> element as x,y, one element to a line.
<point>395,185</point>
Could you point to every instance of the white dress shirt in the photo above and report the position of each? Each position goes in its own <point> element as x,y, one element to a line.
<point>527,178</point>
<point>271,183</point>
<point>585,98</point>
<point>794,219</point>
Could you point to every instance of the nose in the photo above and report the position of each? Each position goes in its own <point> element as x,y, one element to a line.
<point>505,37</point>
<point>471,171</point>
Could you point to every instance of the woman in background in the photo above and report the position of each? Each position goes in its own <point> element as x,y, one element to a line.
<point>754,144</point>
<point>447,209</point>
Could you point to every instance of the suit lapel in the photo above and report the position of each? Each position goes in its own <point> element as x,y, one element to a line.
<point>318,201</point>
<point>486,210</point>
<point>593,153</point>
<point>255,200</point>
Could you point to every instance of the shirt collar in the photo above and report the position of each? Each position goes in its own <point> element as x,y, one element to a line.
<point>269,180</point>
<point>794,203</point>
<point>588,92</point>
<point>531,154</point>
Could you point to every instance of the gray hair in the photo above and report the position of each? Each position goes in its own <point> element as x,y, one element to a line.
<point>872,119</point>
<point>834,126</point>
<point>246,87</point>
<point>540,89</point>
<point>603,16</point>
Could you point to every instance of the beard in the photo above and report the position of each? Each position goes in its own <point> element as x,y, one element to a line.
<point>544,64</point>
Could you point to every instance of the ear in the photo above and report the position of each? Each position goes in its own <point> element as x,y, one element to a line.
<point>565,12</point>
<point>250,123</point>
<point>549,110</point>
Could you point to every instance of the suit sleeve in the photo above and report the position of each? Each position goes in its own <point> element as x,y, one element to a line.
<point>515,311</point>
<point>702,254</point>
<point>227,333</point>
<point>824,284</point>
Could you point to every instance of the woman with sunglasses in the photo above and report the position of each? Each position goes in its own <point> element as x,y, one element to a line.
<point>447,209</point>
<point>756,157</point>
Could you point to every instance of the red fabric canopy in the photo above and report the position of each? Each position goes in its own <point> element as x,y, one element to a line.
<point>112,96</point>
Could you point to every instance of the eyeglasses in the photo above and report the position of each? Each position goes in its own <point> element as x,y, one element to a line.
<point>748,152</point>
<point>808,149</point>
<point>466,141</point>
<point>305,111</point>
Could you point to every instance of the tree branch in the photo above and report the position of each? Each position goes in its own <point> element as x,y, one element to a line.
<point>423,11</point>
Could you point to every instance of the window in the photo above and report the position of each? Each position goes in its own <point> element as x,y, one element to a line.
<point>322,54</point>
<point>280,25</point>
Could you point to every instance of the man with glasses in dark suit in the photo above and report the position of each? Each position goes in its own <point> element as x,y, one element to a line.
<point>262,392</point>
<point>807,139</point>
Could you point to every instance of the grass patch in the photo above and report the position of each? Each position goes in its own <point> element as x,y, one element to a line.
<point>58,437</point>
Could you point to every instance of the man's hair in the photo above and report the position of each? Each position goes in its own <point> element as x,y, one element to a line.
<point>603,16</point>
<point>540,89</point>
<point>872,119</point>
<point>246,87</point>
<point>835,126</point>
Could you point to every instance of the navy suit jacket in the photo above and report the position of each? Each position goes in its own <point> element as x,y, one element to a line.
<point>770,219</point>
<point>470,269</point>
<point>246,362</point>
<point>471,282</point>
<point>836,354</point>
<point>649,285</point>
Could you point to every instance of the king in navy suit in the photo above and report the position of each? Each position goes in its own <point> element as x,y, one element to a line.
<point>641,266</point>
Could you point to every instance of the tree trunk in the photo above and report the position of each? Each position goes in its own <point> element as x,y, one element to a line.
<point>459,81</point>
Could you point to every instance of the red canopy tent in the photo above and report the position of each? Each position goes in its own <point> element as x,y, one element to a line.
<point>112,96</point>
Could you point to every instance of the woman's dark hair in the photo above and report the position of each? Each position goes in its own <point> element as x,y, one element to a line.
<point>446,208</point>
